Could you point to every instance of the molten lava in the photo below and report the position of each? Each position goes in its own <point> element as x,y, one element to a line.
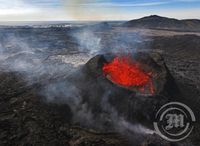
<point>126,72</point>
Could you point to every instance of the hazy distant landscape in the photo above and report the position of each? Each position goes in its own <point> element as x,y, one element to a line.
<point>33,58</point>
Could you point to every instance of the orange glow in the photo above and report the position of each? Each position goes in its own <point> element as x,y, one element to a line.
<point>126,72</point>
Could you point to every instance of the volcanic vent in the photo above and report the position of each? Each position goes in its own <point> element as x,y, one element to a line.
<point>140,73</point>
<point>134,85</point>
<point>126,72</point>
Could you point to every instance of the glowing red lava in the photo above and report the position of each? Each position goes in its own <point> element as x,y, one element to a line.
<point>126,72</point>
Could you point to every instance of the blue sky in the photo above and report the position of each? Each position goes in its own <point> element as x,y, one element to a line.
<point>46,10</point>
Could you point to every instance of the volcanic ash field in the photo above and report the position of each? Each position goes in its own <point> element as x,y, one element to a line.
<point>94,85</point>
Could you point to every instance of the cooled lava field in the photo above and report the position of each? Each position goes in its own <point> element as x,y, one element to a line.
<point>53,91</point>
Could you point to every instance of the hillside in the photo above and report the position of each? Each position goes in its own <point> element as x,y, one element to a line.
<point>158,22</point>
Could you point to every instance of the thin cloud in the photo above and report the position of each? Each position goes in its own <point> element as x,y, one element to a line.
<point>95,9</point>
<point>130,4</point>
<point>16,7</point>
<point>108,4</point>
<point>187,0</point>
<point>11,4</point>
<point>44,3</point>
<point>16,12</point>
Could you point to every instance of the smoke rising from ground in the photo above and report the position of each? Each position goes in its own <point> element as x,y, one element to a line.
<point>17,55</point>
<point>88,42</point>
<point>93,43</point>
<point>67,92</point>
<point>102,39</point>
<point>38,64</point>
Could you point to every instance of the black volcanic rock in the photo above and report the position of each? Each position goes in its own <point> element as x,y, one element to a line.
<point>26,120</point>
<point>102,95</point>
<point>151,62</point>
<point>158,22</point>
<point>102,26</point>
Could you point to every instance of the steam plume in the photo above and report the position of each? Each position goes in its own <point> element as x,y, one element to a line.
<point>80,10</point>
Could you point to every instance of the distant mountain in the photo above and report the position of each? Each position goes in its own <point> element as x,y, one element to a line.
<point>97,26</point>
<point>159,22</point>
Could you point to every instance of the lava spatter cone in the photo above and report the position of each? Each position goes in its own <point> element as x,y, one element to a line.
<point>135,85</point>
<point>141,73</point>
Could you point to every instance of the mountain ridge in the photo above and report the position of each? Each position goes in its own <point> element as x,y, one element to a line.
<point>159,22</point>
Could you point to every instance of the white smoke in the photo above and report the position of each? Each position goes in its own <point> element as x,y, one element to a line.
<point>102,39</point>
<point>88,41</point>
<point>67,92</point>
<point>137,128</point>
<point>17,55</point>
<point>37,65</point>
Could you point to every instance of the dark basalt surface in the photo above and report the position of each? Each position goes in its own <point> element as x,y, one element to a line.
<point>27,119</point>
<point>131,105</point>
<point>158,22</point>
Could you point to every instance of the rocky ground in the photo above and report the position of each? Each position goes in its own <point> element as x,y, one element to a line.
<point>28,119</point>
